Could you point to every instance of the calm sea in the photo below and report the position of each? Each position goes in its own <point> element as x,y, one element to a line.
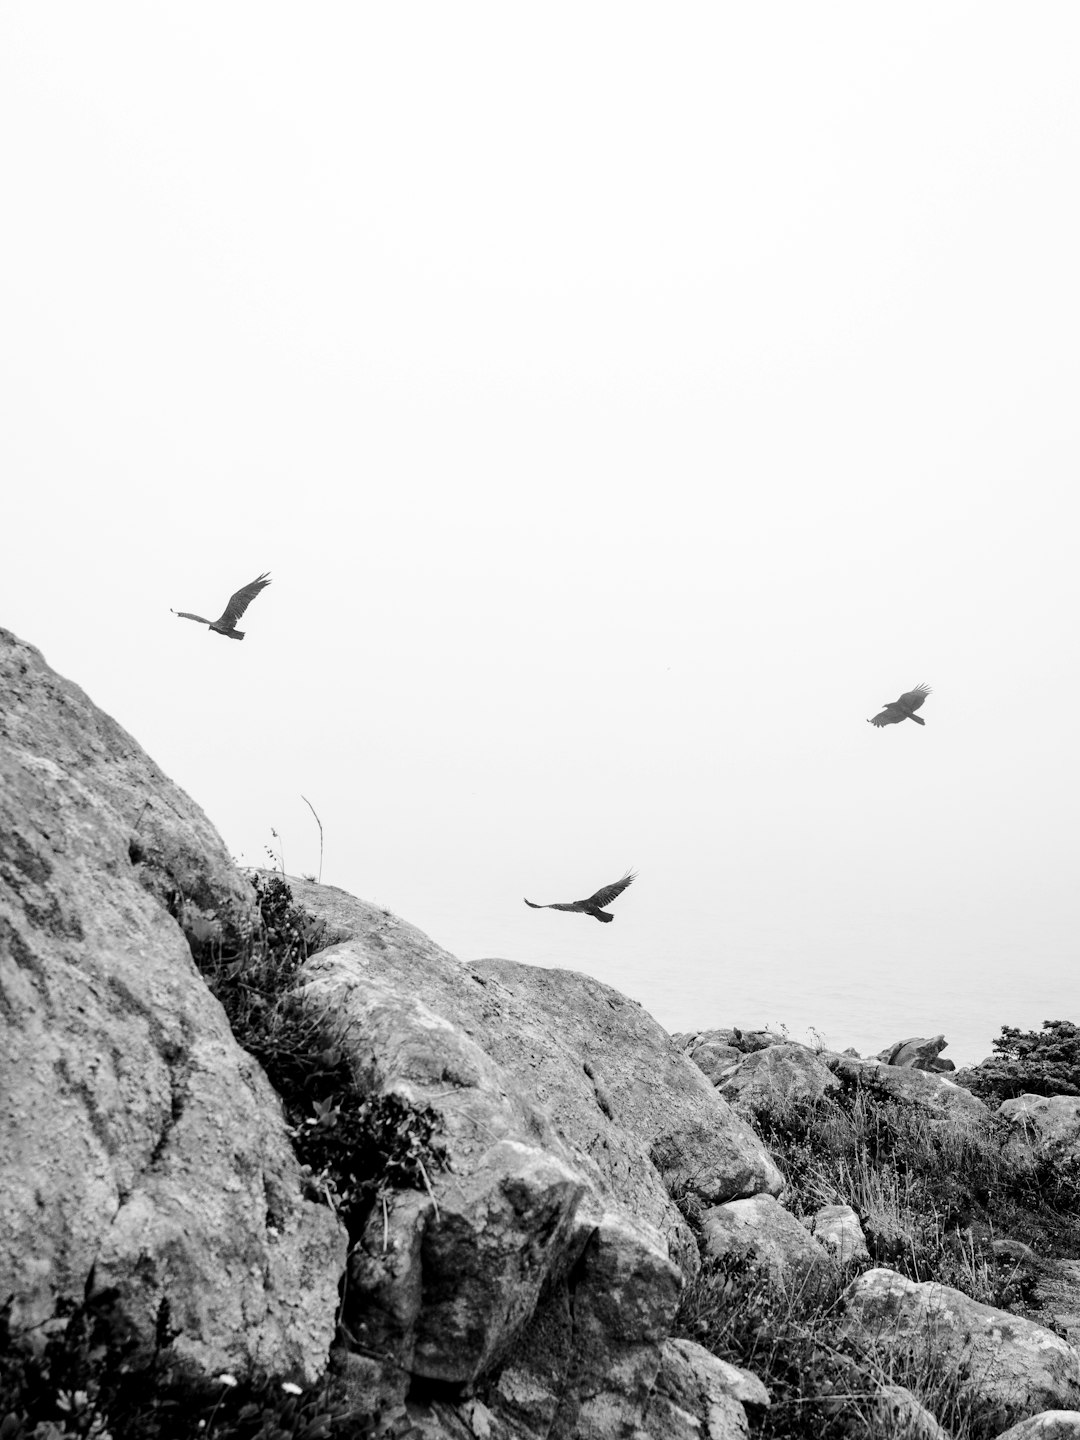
<point>858,987</point>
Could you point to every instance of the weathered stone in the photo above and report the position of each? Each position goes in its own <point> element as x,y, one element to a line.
<point>585,1370</point>
<point>639,1117</point>
<point>696,1394</point>
<point>1048,1425</point>
<point>713,1056</point>
<point>919,1087</point>
<point>1058,1292</point>
<point>837,1227</point>
<point>715,1051</point>
<point>769,1079</point>
<point>444,1282</point>
<point>141,1145</point>
<point>760,1230</point>
<point>1010,1362</point>
<point>656,1097</point>
<point>917,1054</point>
<point>1044,1125</point>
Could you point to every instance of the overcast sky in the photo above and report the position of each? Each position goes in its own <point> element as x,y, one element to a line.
<point>626,401</point>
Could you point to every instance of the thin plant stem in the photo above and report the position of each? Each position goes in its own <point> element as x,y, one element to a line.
<point>318,822</point>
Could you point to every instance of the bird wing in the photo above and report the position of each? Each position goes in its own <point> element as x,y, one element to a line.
<point>241,600</point>
<point>577,905</point>
<point>609,892</point>
<point>888,716</point>
<point>912,699</point>
<point>187,615</point>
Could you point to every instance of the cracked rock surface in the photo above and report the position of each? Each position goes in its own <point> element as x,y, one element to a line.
<point>143,1149</point>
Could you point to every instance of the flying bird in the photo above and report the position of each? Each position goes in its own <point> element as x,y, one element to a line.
<point>594,904</point>
<point>902,709</point>
<point>226,624</point>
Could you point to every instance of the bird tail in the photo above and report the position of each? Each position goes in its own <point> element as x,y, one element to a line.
<point>918,719</point>
<point>602,915</point>
<point>238,634</point>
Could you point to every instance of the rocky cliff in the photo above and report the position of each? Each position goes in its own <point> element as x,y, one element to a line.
<point>529,1285</point>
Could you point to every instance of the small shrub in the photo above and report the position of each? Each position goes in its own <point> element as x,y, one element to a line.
<point>354,1142</point>
<point>75,1379</point>
<point>1030,1062</point>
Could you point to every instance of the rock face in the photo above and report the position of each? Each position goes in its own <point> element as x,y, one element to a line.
<point>1010,1362</point>
<point>1047,1125</point>
<point>141,1145</point>
<point>920,1087</point>
<point>837,1227</point>
<point>917,1054</point>
<point>544,1267</point>
<point>761,1231</point>
<point>776,1075</point>
<point>583,1036</point>
<point>715,1051</point>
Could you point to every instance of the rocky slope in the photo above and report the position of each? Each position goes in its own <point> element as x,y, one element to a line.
<point>592,1164</point>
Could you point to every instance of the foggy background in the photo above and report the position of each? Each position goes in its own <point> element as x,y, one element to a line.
<point>626,401</point>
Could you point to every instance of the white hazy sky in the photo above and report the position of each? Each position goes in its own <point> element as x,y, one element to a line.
<point>627,401</point>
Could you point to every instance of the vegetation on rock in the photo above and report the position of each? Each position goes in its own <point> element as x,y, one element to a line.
<point>1028,1062</point>
<point>77,1375</point>
<point>353,1141</point>
<point>80,1381</point>
<point>932,1194</point>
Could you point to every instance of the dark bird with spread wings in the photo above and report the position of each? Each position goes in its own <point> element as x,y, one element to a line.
<point>902,709</point>
<point>595,903</point>
<point>226,624</point>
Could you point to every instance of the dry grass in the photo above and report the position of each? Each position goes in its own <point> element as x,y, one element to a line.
<point>932,1193</point>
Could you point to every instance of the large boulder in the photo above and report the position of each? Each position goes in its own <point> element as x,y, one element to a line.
<point>918,1054</point>
<point>715,1051</point>
<point>631,1106</point>
<point>584,1036</point>
<point>542,1269</point>
<point>694,1385</point>
<point>779,1075</point>
<point>930,1091</point>
<point>144,1151</point>
<point>1044,1125</point>
<point>1011,1363</point>
<point>760,1231</point>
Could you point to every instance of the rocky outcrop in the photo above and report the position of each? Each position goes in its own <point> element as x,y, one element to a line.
<point>698,1395</point>
<point>918,1087</point>
<point>715,1051</point>
<point>1008,1361</point>
<point>917,1054</point>
<point>646,1089</point>
<point>1044,1125</point>
<point>777,1075</point>
<point>144,1151</point>
<point>543,1268</point>
<point>637,1114</point>
<point>531,1288</point>
<point>760,1231</point>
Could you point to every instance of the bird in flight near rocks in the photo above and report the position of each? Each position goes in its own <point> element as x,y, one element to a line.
<point>226,624</point>
<point>595,903</point>
<point>902,709</point>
